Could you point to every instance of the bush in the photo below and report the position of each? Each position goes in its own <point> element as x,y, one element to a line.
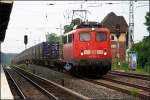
<point>24,67</point>
<point>123,65</point>
<point>114,64</point>
<point>134,92</point>
<point>147,67</point>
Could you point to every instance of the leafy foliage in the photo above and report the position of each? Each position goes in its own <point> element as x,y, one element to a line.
<point>147,23</point>
<point>74,22</point>
<point>124,67</point>
<point>134,91</point>
<point>78,21</point>
<point>143,50</point>
<point>53,38</point>
<point>67,28</point>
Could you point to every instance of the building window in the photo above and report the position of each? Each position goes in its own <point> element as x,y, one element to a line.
<point>113,46</point>
<point>112,37</point>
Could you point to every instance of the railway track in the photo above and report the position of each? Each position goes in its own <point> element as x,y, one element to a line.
<point>130,88</point>
<point>26,89</point>
<point>145,95</point>
<point>16,91</point>
<point>143,77</point>
<point>128,81</point>
<point>51,89</point>
<point>138,90</point>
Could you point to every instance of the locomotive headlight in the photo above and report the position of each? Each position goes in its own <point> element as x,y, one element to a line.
<point>105,52</point>
<point>81,53</point>
<point>93,29</point>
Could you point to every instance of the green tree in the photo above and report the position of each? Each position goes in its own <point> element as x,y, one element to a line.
<point>143,47</point>
<point>74,22</point>
<point>53,38</point>
<point>143,50</point>
<point>147,23</point>
<point>78,21</point>
<point>67,28</point>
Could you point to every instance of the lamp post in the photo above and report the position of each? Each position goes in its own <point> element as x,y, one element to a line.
<point>60,42</point>
<point>0,53</point>
<point>149,14</point>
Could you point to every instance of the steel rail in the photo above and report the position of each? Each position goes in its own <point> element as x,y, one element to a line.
<point>67,92</point>
<point>132,73</point>
<point>143,77</point>
<point>40,87</point>
<point>111,85</point>
<point>126,83</point>
<point>21,94</point>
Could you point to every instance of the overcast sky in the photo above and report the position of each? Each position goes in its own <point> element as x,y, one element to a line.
<point>36,18</point>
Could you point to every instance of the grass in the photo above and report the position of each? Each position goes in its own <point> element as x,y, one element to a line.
<point>124,67</point>
<point>24,67</point>
<point>134,91</point>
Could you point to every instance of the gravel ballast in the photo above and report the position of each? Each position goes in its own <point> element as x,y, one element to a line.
<point>79,85</point>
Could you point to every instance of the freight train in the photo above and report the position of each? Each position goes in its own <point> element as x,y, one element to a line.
<point>85,50</point>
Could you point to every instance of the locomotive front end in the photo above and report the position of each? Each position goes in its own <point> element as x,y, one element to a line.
<point>92,51</point>
<point>86,50</point>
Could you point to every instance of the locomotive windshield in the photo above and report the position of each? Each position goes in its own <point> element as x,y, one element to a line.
<point>85,36</point>
<point>101,36</point>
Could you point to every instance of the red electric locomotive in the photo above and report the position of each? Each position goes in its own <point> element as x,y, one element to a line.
<point>87,50</point>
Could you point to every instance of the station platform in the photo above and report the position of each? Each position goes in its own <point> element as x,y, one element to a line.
<point>5,89</point>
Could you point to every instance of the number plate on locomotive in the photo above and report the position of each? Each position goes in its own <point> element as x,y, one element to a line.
<point>87,51</point>
<point>99,51</point>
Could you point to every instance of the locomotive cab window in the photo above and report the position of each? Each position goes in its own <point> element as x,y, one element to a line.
<point>85,37</point>
<point>100,36</point>
<point>70,38</point>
